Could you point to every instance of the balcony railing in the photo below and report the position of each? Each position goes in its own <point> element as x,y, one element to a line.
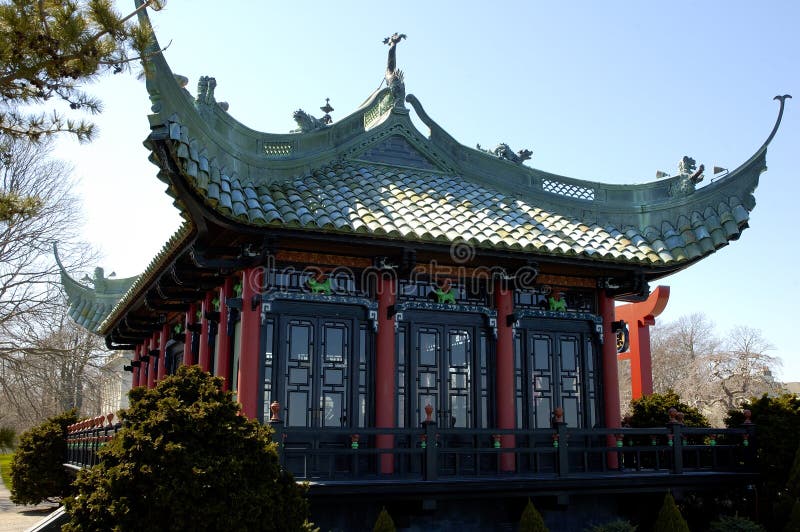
<point>431,453</point>
<point>86,437</point>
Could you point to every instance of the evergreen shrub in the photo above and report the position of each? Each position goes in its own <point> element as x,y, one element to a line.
<point>669,517</point>
<point>793,483</point>
<point>653,411</point>
<point>531,520</point>
<point>7,438</point>
<point>777,437</point>
<point>793,524</point>
<point>37,468</point>
<point>617,525</point>
<point>384,523</point>
<point>730,523</point>
<point>187,459</point>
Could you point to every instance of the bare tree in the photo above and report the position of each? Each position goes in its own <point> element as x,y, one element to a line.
<point>743,368</point>
<point>27,267</point>
<point>709,372</point>
<point>679,349</point>
<point>44,358</point>
<point>56,365</point>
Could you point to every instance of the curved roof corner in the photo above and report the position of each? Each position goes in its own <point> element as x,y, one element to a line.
<point>89,306</point>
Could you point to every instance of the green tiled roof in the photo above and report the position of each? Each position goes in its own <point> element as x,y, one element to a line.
<point>175,244</point>
<point>373,173</point>
<point>89,306</point>
<point>425,206</point>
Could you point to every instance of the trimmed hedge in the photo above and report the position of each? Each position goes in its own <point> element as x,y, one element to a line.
<point>186,459</point>
<point>669,517</point>
<point>37,469</point>
<point>384,523</point>
<point>653,411</point>
<point>531,520</point>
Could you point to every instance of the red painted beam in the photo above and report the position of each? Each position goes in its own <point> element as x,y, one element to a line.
<point>162,353</point>
<point>504,394</point>
<point>204,351</point>
<point>385,385</point>
<point>151,362</point>
<point>609,363</point>
<point>191,316</point>
<point>224,354</point>
<point>652,306</point>
<point>136,371</point>
<point>248,385</point>
<point>610,376</point>
<point>640,317</point>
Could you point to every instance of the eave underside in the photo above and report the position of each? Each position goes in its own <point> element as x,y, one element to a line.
<point>203,262</point>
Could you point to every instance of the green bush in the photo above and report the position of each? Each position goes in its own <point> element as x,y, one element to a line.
<point>531,520</point>
<point>186,459</point>
<point>731,523</point>
<point>384,523</point>
<point>777,437</point>
<point>669,517</point>
<point>37,469</point>
<point>7,438</point>
<point>793,524</point>
<point>793,483</point>
<point>618,525</point>
<point>653,411</point>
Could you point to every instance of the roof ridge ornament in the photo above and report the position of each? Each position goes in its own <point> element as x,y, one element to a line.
<point>205,93</point>
<point>327,109</point>
<point>391,62</point>
<point>782,100</point>
<point>308,122</point>
<point>690,175</point>
<point>503,151</point>
<point>394,76</point>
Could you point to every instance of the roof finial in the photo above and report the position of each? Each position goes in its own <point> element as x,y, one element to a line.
<point>394,76</point>
<point>391,63</point>
<point>327,109</point>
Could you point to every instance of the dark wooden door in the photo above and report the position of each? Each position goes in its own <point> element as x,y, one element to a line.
<point>317,355</point>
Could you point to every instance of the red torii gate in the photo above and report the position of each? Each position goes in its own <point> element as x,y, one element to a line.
<point>639,317</point>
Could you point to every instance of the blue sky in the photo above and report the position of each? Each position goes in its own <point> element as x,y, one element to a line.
<point>608,91</point>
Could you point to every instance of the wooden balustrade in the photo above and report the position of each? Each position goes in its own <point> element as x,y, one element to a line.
<point>86,437</point>
<point>430,452</point>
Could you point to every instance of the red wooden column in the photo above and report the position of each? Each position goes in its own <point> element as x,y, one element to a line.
<point>187,345</point>
<point>154,360</point>
<point>609,363</point>
<point>152,343</point>
<point>136,371</point>
<point>224,354</point>
<point>504,395</point>
<point>640,317</point>
<point>247,392</point>
<point>385,383</point>
<point>162,352</point>
<point>205,349</point>
<point>144,369</point>
<point>610,376</point>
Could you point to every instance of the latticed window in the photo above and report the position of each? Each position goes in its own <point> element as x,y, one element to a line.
<point>278,150</point>
<point>568,189</point>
